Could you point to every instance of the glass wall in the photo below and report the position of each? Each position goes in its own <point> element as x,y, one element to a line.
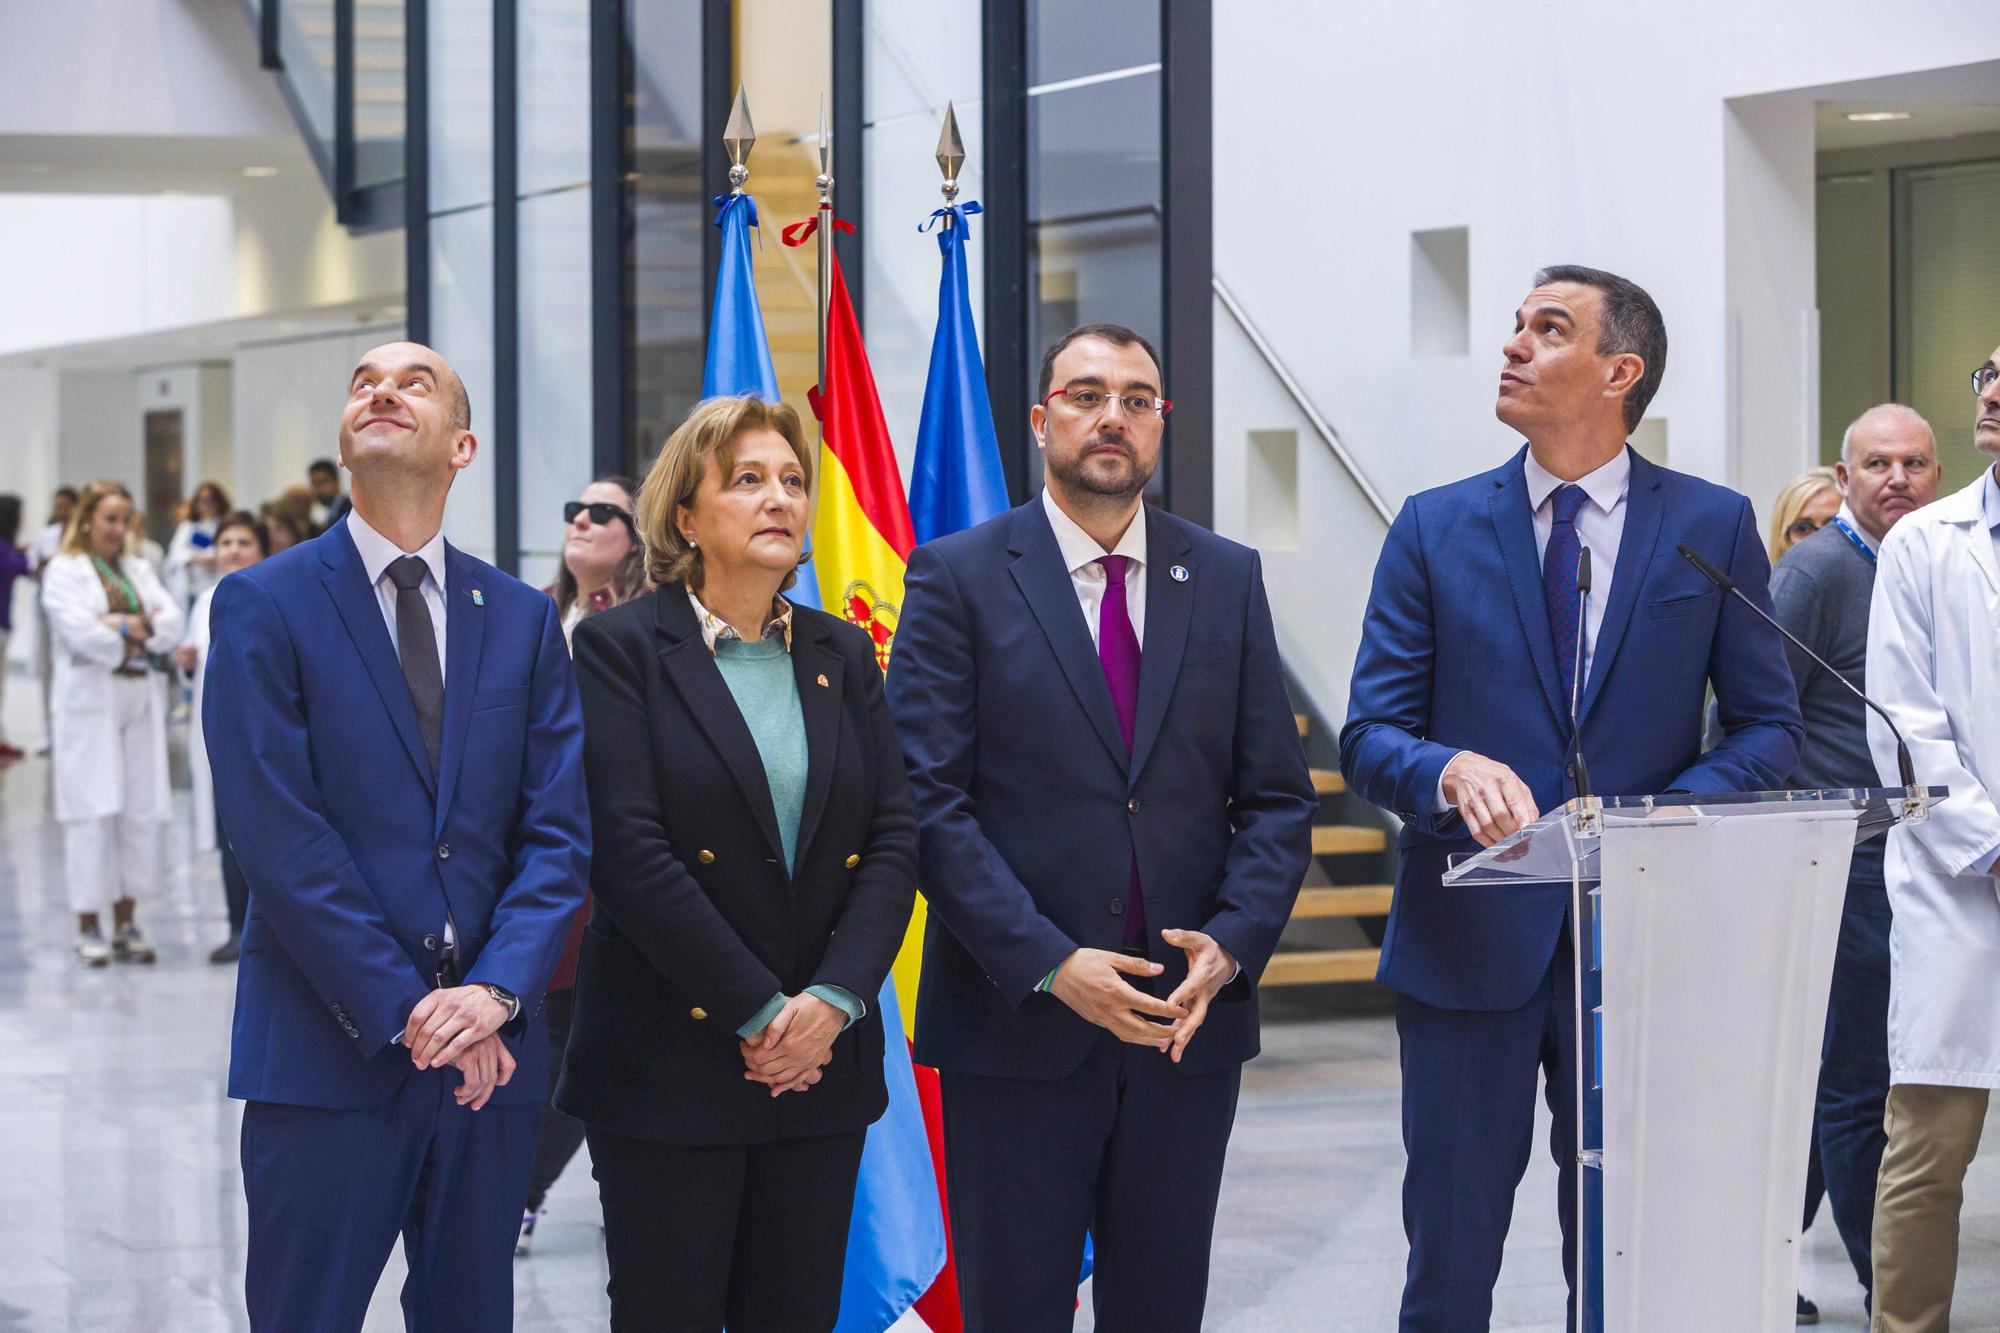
<point>380,100</point>
<point>554,445</point>
<point>1947,288</point>
<point>305,45</point>
<point>666,214</point>
<point>460,243</point>
<point>917,56</point>
<point>1094,182</point>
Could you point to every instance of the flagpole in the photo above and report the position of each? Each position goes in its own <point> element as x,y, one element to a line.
<point>950,157</point>
<point>824,182</point>
<point>739,136</point>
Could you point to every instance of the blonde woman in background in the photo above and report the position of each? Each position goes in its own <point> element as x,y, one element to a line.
<point>1807,504</point>
<point>107,612</point>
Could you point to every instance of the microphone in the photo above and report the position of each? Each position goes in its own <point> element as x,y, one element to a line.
<point>1727,585</point>
<point>1578,770</point>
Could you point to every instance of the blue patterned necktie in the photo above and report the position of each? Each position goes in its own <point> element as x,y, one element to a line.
<point>1559,584</point>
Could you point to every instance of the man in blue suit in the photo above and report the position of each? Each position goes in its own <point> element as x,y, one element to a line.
<point>398,753</point>
<point>1459,722</point>
<point>1114,818</point>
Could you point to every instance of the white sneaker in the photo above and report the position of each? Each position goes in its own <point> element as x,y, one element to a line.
<point>527,1239</point>
<point>91,949</point>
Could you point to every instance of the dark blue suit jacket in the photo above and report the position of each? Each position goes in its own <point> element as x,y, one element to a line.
<point>1457,654</point>
<point>1030,811</point>
<point>353,849</point>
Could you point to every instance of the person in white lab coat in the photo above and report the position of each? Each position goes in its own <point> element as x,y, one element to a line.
<point>240,542</point>
<point>192,567</point>
<point>1934,664</point>
<point>107,613</point>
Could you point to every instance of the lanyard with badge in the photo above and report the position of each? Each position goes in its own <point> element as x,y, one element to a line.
<point>1848,532</point>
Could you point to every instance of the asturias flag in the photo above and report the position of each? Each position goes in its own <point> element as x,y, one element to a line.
<point>956,480</point>
<point>861,543</point>
<point>739,355</point>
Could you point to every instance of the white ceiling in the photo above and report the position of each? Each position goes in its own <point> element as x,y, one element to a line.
<point>1943,104</point>
<point>141,164</point>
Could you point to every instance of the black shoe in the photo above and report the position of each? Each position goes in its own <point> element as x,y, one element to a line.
<point>228,951</point>
<point>1808,1312</point>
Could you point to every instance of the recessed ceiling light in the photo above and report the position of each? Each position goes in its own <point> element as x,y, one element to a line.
<point>1875,117</point>
<point>260,171</point>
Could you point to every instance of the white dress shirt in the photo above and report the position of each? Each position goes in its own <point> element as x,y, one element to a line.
<point>1600,526</point>
<point>378,553</point>
<point>1081,553</point>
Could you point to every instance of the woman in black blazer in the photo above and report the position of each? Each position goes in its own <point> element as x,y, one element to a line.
<point>754,871</point>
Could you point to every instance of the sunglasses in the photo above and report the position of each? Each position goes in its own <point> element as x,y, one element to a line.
<point>601,512</point>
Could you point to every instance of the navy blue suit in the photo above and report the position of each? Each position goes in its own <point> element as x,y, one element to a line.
<point>1031,813</point>
<point>357,853</point>
<point>1457,654</point>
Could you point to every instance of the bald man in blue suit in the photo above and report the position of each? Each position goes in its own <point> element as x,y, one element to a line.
<point>1459,722</point>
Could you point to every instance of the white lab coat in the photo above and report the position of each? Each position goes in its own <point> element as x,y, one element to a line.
<point>1934,664</point>
<point>200,777</point>
<point>89,779</point>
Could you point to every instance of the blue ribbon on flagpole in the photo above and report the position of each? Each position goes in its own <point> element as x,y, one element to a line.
<point>951,236</point>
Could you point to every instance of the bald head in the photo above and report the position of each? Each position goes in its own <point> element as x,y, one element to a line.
<point>1888,466</point>
<point>445,377</point>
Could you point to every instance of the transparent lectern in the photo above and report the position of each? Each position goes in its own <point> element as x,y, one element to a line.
<point>1703,930</point>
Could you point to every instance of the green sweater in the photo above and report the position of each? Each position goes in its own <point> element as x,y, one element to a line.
<point>759,676</point>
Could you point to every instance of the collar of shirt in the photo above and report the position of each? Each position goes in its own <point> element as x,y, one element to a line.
<point>1080,551</point>
<point>1605,486</point>
<point>714,628</point>
<point>1846,516</point>
<point>378,552</point>
<point>1989,497</point>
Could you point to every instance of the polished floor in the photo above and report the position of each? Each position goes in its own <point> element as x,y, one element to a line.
<point>120,1201</point>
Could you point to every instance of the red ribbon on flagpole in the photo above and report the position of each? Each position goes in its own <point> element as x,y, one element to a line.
<point>801,232</point>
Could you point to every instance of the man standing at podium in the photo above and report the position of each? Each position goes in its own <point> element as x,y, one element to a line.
<point>1476,653</point>
<point>1932,664</point>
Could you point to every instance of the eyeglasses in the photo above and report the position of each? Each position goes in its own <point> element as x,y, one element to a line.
<point>1090,402</point>
<point>1982,378</point>
<point>1803,527</point>
<point>601,512</point>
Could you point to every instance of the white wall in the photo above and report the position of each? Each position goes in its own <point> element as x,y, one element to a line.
<point>1564,132</point>
<point>119,67</point>
<point>201,392</point>
<point>100,432</point>
<point>287,398</point>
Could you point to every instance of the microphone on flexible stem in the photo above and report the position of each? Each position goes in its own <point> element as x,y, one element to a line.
<point>1918,807</point>
<point>1578,770</point>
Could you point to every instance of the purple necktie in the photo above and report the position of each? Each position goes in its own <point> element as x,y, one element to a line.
<point>1118,654</point>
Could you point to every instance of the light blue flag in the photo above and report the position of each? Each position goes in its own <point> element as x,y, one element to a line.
<point>956,479</point>
<point>739,355</point>
<point>895,1244</point>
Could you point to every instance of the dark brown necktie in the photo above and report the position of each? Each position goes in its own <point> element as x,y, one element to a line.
<point>416,643</point>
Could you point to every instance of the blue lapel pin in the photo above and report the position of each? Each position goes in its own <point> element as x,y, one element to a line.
<point>479,598</point>
<point>1179,572</point>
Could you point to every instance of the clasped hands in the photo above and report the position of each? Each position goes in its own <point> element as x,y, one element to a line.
<point>788,1054</point>
<point>460,1026</point>
<point>1092,982</point>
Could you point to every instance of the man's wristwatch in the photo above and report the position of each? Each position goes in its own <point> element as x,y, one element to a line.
<point>505,996</point>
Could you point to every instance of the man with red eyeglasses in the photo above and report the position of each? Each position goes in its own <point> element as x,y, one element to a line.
<point>1114,817</point>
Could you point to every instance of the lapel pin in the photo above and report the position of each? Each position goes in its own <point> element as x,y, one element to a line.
<point>1180,573</point>
<point>479,598</point>
<point>822,681</point>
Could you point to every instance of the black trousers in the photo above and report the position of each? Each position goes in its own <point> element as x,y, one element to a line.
<point>235,888</point>
<point>1129,1149</point>
<point>560,1136</point>
<point>752,1236</point>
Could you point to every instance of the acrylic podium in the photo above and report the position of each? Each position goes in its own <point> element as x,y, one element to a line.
<point>1704,932</point>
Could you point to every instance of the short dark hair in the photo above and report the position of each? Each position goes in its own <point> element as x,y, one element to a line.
<point>242,518</point>
<point>1115,334</point>
<point>1631,323</point>
<point>321,465</point>
<point>10,518</point>
<point>67,493</point>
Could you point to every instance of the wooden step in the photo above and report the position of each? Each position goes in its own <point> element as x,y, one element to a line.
<point>1343,900</point>
<point>1308,967</point>
<point>1345,839</point>
<point>1302,722</point>
<point>1328,782</point>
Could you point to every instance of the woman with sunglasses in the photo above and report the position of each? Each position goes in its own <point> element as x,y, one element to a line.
<point>603,564</point>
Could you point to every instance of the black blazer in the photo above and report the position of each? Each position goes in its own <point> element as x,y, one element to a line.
<point>696,924</point>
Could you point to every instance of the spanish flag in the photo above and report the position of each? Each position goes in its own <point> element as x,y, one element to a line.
<point>862,537</point>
